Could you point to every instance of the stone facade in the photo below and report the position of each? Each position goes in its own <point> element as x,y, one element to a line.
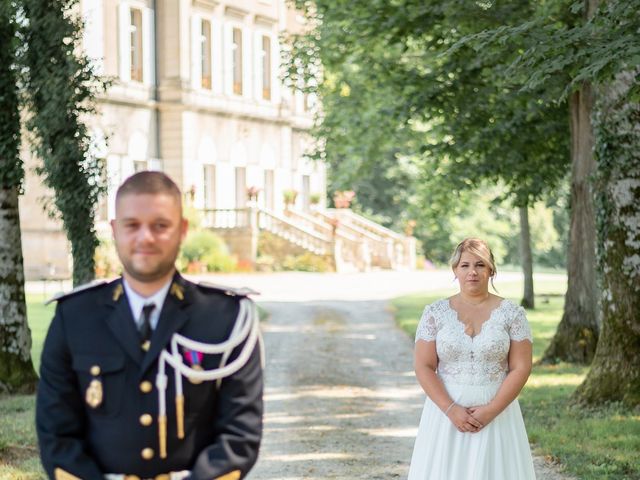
<point>196,94</point>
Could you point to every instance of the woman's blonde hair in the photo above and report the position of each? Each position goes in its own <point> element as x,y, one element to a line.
<point>478,247</point>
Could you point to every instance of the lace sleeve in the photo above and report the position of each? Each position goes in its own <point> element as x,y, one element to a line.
<point>427,327</point>
<point>519,329</point>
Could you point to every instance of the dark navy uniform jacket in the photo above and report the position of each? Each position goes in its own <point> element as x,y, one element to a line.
<point>223,426</point>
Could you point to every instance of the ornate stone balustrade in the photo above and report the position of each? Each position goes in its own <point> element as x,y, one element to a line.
<point>354,242</point>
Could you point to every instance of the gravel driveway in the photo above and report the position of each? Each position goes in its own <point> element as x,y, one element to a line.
<point>341,397</point>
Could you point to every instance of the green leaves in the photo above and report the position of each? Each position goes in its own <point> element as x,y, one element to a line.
<point>409,86</point>
<point>592,50</point>
<point>11,169</point>
<point>61,88</point>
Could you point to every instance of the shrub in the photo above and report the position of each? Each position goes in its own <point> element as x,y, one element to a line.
<point>277,254</point>
<point>107,263</point>
<point>208,249</point>
<point>273,246</point>
<point>307,262</point>
<point>193,216</point>
<point>265,263</point>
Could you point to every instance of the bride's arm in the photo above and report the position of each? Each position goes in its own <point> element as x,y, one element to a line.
<point>519,369</point>
<point>425,365</point>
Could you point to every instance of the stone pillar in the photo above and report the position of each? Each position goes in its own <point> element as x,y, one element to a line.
<point>410,252</point>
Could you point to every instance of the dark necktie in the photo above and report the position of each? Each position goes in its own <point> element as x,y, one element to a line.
<point>145,327</point>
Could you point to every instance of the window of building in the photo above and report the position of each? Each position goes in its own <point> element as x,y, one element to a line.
<point>205,53</point>
<point>266,67</point>
<point>237,61</point>
<point>135,29</point>
<point>306,192</point>
<point>269,189</point>
<point>209,186</point>
<point>241,187</point>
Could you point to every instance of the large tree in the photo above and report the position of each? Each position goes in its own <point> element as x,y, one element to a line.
<point>16,369</point>
<point>602,51</point>
<point>615,371</point>
<point>61,89</point>
<point>577,333</point>
<point>395,88</point>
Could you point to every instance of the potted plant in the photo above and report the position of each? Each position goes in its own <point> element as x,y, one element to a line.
<point>314,199</point>
<point>289,196</point>
<point>409,227</point>
<point>252,193</point>
<point>343,198</point>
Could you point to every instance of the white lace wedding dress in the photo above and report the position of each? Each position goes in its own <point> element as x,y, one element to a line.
<point>472,370</point>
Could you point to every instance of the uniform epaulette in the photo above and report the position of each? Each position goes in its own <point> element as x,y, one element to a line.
<point>233,291</point>
<point>84,287</point>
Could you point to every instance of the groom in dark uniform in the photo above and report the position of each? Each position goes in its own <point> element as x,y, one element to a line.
<point>105,409</point>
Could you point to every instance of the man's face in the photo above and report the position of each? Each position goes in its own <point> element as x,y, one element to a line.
<point>148,230</point>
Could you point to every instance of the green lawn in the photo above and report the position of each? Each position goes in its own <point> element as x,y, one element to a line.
<point>18,452</point>
<point>600,444</point>
<point>40,316</point>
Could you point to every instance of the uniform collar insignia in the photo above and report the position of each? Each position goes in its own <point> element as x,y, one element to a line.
<point>117,292</point>
<point>177,291</point>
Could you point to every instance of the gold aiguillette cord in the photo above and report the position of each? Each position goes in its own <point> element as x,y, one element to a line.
<point>180,415</point>
<point>162,432</point>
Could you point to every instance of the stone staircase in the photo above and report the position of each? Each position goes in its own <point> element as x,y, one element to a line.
<point>352,242</point>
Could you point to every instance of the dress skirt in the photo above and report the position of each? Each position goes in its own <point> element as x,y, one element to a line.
<point>500,451</point>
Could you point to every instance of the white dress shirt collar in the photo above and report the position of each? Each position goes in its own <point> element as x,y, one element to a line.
<point>137,301</point>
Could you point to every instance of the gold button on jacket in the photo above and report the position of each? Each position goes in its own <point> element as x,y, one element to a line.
<point>146,420</point>
<point>146,386</point>
<point>147,453</point>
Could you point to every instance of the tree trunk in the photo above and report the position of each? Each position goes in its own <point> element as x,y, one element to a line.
<point>577,334</point>
<point>61,96</point>
<point>615,372</point>
<point>82,251</point>
<point>527,259</point>
<point>16,370</point>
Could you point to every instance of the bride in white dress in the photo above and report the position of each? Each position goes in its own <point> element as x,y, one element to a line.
<point>472,358</point>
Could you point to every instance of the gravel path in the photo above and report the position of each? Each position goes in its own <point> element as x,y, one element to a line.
<point>341,397</point>
<point>341,400</point>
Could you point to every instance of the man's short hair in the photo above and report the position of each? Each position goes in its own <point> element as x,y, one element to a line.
<point>151,183</point>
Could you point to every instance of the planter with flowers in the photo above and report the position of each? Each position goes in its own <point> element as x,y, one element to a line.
<point>343,198</point>
<point>410,227</point>
<point>252,193</point>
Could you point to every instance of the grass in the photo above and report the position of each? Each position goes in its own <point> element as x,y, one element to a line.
<point>601,443</point>
<point>18,452</point>
<point>39,316</point>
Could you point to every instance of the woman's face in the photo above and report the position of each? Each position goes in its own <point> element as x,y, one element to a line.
<point>473,274</point>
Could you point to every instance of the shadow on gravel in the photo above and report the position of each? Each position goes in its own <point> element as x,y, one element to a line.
<point>341,398</point>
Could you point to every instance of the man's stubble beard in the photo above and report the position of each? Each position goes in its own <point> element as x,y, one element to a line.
<point>163,268</point>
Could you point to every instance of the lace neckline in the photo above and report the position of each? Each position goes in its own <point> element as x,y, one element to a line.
<point>462,324</point>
